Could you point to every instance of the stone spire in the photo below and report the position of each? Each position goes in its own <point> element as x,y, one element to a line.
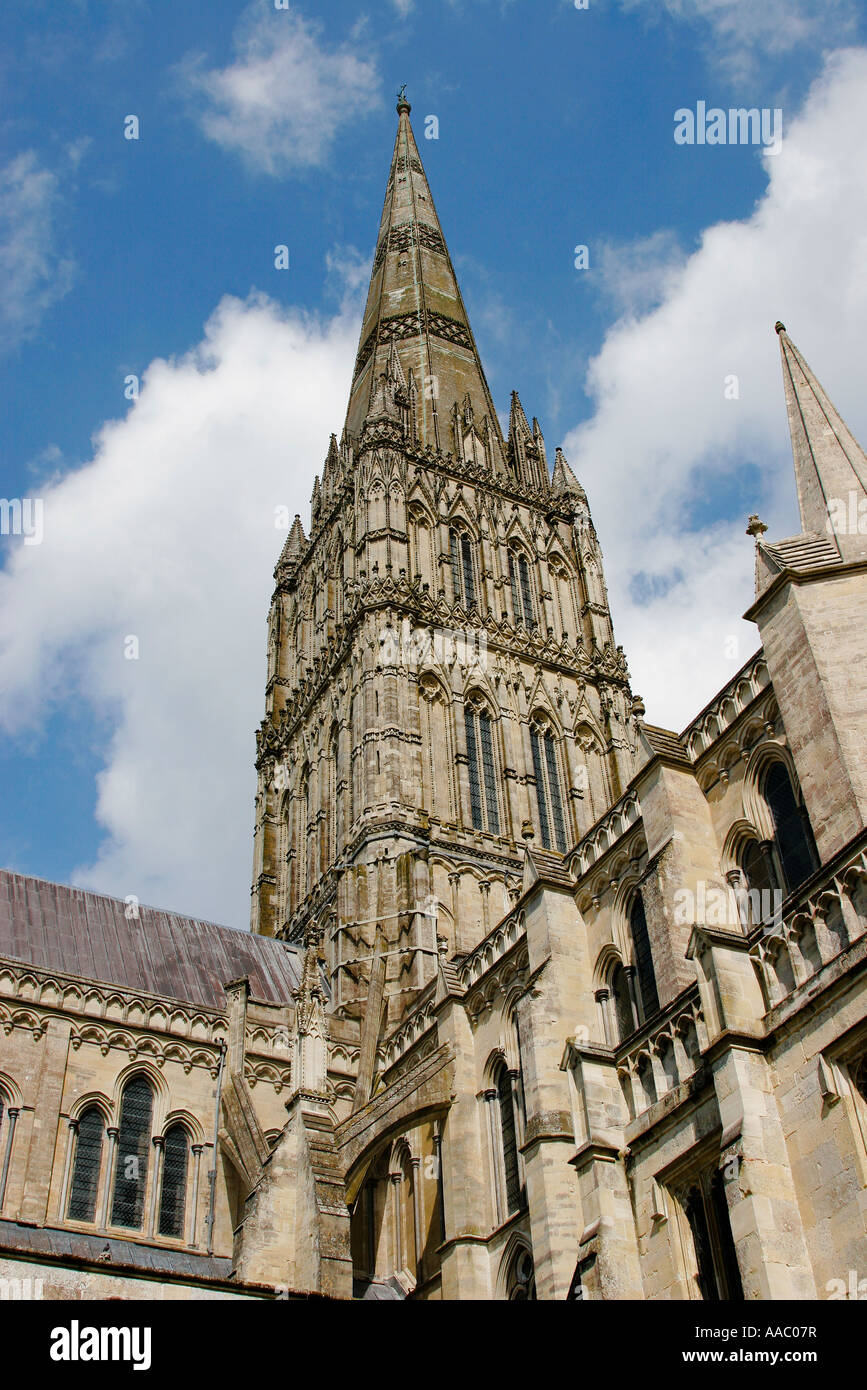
<point>830,466</point>
<point>415,319</point>
<point>564,480</point>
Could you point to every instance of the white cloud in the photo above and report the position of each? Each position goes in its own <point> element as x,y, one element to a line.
<point>739,33</point>
<point>168,534</point>
<point>34,272</point>
<point>665,451</point>
<point>281,102</point>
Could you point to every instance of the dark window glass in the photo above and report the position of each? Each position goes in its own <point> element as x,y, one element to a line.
<point>554,792</point>
<point>517,609</point>
<point>85,1169</point>
<point>643,958</point>
<point>697,1217</point>
<point>522,591</point>
<point>728,1257</point>
<point>758,868</point>
<point>522,1284</point>
<point>456,567</point>
<point>491,806</point>
<point>719,1277</point>
<point>526,594</point>
<point>510,1143</point>
<point>622,1003</point>
<point>484,804</point>
<point>174,1189</point>
<point>463,571</point>
<point>793,837</point>
<point>541,798</point>
<point>474,770</point>
<point>469,575</point>
<point>133,1150</point>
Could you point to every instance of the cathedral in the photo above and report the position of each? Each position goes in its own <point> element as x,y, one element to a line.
<point>540,1000</point>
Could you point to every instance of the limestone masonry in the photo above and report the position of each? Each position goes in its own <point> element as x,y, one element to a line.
<point>541,1001</point>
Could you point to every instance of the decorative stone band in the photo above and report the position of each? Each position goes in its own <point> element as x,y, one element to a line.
<point>400,238</point>
<point>399,326</point>
<point>663,1058</point>
<point>817,926</point>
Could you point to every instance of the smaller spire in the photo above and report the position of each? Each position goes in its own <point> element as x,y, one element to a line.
<point>830,465</point>
<point>563,480</point>
<point>295,542</point>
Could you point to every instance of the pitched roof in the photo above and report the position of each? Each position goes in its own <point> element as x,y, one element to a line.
<point>805,552</point>
<point>664,743</point>
<point>54,927</point>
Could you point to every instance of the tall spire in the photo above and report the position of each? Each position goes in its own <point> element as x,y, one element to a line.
<point>830,465</point>
<point>415,319</point>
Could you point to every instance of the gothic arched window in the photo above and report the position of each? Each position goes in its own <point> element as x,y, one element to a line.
<point>643,957</point>
<point>484,806</point>
<point>549,799</point>
<point>522,590</point>
<point>623,1013</point>
<point>509,1140</point>
<point>133,1151</point>
<point>521,1284</point>
<point>463,571</point>
<point>86,1167</point>
<point>717,1271</point>
<point>793,837</point>
<point>173,1198</point>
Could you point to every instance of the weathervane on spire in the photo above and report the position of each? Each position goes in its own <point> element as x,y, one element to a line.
<point>401,96</point>
<point>402,103</point>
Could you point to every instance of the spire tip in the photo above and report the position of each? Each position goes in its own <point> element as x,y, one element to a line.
<point>402,103</point>
<point>779,327</point>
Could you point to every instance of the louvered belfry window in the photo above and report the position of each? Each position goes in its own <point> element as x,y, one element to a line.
<point>522,590</point>
<point>133,1150</point>
<point>174,1190</point>
<point>463,572</point>
<point>85,1171</point>
<point>484,805</point>
<point>552,826</point>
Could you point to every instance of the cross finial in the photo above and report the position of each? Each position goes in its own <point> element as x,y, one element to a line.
<point>402,103</point>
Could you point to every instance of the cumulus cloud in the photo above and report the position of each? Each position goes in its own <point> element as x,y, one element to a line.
<point>739,33</point>
<point>168,536</point>
<point>34,272</point>
<point>281,102</point>
<point>672,466</point>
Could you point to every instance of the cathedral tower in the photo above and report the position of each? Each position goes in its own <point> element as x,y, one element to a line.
<point>443,686</point>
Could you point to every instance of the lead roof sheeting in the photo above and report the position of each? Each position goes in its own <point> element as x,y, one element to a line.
<point>80,1245</point>
<point>55,927</point>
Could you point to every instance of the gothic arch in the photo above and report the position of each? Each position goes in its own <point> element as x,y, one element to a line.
<point>10,1091</point>
<point>758,765</point>
<point>93,1100</point>
<point>740,833</point>
<point>194,1132</point>
<point>158,1084</point>
<point>517,1247</point>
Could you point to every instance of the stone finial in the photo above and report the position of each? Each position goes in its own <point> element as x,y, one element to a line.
<point>779,327</point>
<point>756,527</point>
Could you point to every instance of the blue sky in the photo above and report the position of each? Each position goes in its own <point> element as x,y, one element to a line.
<point>154,257</point>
